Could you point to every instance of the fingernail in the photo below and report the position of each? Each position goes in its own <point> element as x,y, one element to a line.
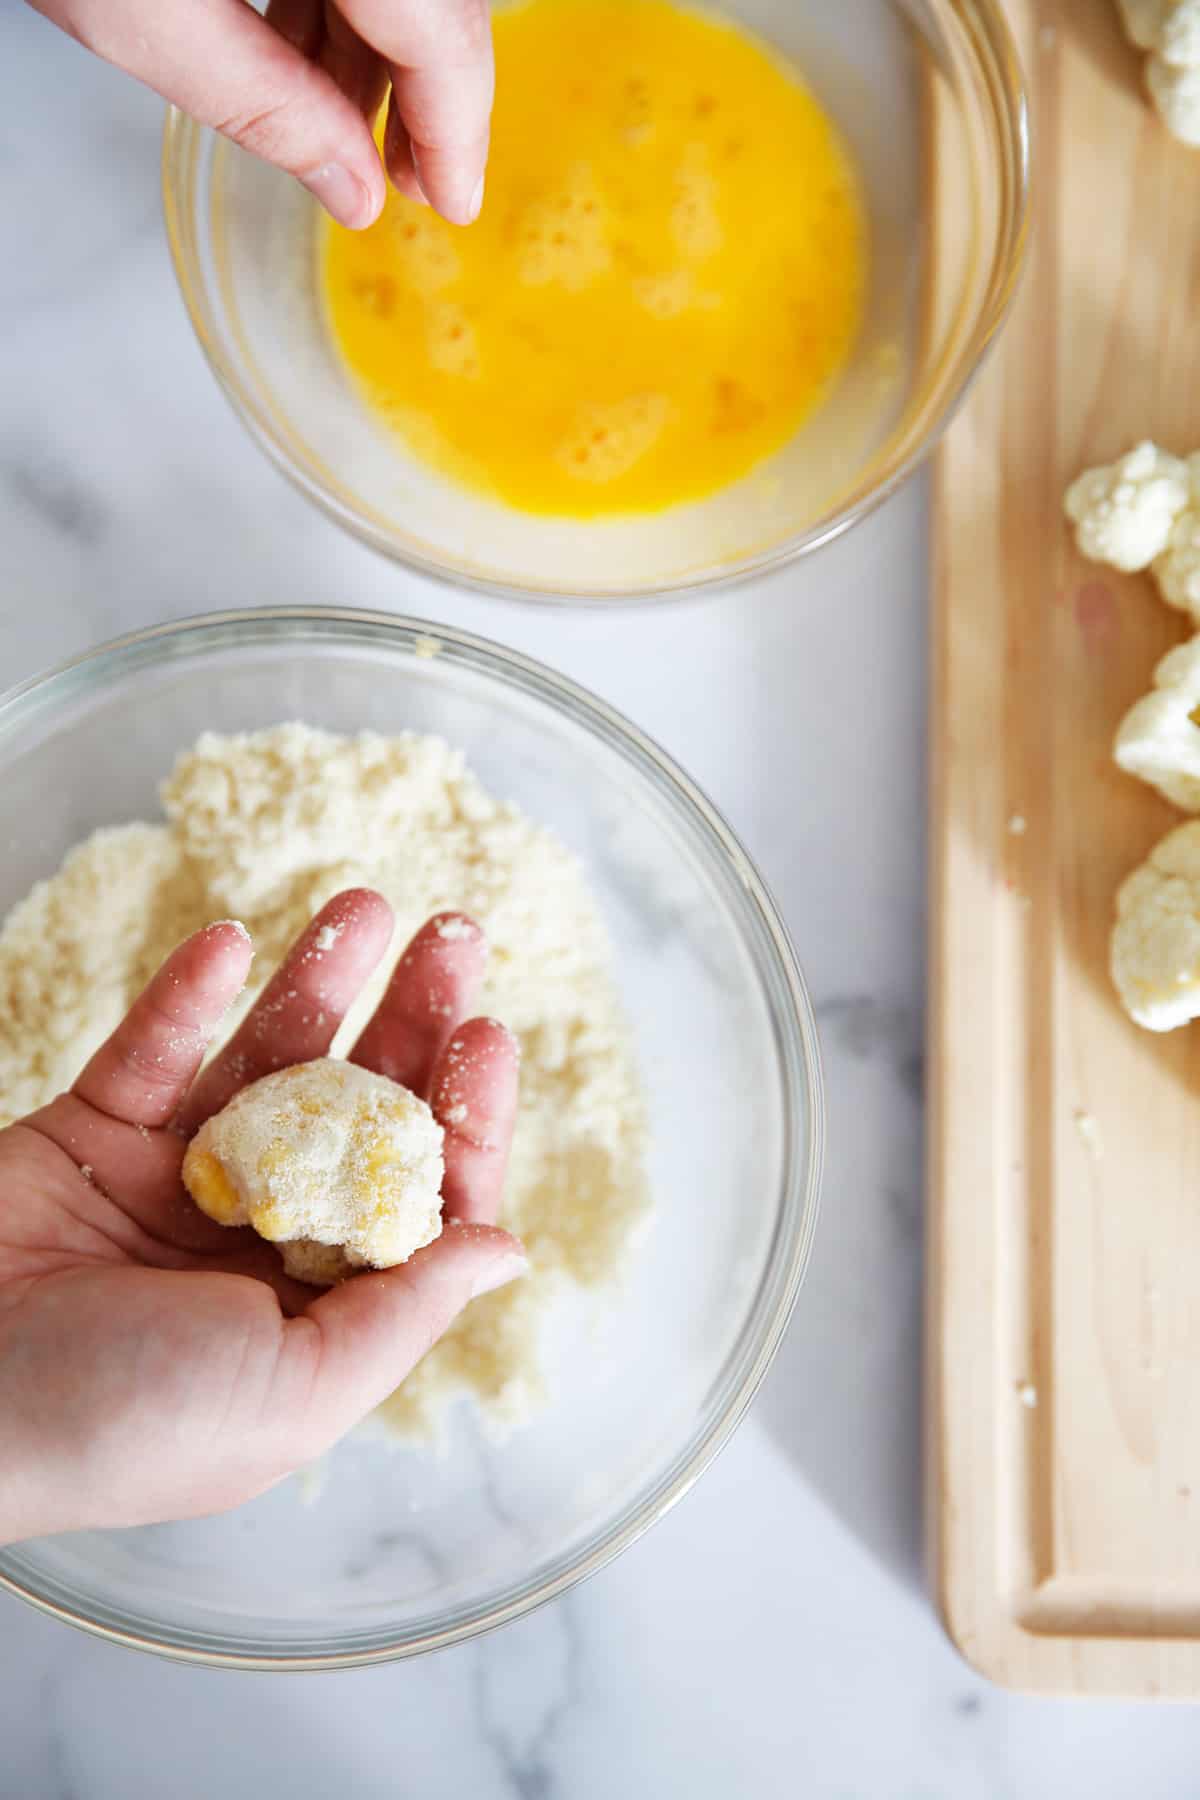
<point>416,169</point>
<point>499,1273</point>
<point>476,205</point>
<point>341,194</point>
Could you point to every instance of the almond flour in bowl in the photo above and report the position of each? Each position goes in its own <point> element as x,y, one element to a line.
<point>413,1552</point>
<point>265,827</point>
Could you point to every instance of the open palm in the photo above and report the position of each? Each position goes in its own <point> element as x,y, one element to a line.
<point>156,1365</point>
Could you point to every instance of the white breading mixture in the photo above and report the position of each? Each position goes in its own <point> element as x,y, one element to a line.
<point>265,828</point>
<point>320,1158</point>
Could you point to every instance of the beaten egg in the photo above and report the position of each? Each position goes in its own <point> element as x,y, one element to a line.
<point>665,280</point>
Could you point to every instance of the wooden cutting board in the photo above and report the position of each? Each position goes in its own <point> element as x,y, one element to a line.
<point>1063,1351</point>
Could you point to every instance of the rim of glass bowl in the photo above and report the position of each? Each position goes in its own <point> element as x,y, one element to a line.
<point>990,86</point>
<point>766,937</point>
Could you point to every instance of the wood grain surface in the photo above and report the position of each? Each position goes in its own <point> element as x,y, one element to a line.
<point>1063,1351</point>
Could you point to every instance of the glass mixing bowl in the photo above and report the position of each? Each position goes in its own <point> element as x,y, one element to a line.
<point>407,1550</point>
<point>929,96</point>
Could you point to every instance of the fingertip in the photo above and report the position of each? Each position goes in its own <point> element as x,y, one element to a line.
<point>299,1011</point>
<point>375,204</point>
<point>376,185</point>
<point>453,940</point>
<point>454,927</point>
<point>432,987</point>
<point>452,180</point>
<point>474,1097</point>
<point>357,917</point>
<point>476,206</point>
<point>479,1065</point>
<point>341,193</point>
<point>499,1273</point>
<point>398,158</point>
<point>338,949</point>
<point>496,1028</point>
<point>496,1256</point>
<point>376,1326</point>
<point>227,937</point>
<point>215,961</point>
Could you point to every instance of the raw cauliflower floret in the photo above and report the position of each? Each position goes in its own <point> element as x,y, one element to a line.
<point>1143,21</point>
<point>1177,568</point>
<point>1175,91</point>
<point>1155,952</point>
<point>1159,737</point>
<point>1123,511</point>
<point>1170,31</point>
<point>1179,34</point>
<point>339,1167</point>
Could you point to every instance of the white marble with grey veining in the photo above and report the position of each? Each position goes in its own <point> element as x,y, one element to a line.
<point>772,1636</point>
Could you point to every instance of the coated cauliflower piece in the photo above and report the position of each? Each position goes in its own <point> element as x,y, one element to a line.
<point>1155,950</point>
<point>1177,569</point>
<point>1123,511</point>
<point>339,1167</point>
<point>1159,737</point>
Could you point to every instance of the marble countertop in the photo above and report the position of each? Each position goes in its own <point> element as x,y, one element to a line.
<point>772,1636</point>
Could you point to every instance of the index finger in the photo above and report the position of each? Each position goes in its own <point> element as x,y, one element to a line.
<point>142,1072</point>
<point>439,54</point>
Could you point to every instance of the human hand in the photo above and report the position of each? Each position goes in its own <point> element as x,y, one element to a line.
<point>301,87</point>
<point>156,1365</point>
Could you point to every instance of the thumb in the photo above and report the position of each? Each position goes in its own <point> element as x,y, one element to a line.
<point>228,68</point>
<point>373,1329</point>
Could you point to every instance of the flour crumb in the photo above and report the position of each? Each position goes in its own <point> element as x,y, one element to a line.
<point>1027,1394</point>
<point>234,925</point>
<point>1018,825</point>
<point>85,1169</point>
<point>327,937</point>
<point>266,827</point>
<point>426,647</point>
<point>453,929</point>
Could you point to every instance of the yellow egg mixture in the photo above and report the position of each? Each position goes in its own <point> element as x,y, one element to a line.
<point>666,277</point>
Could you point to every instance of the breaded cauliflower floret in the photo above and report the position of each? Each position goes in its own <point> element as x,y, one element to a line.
<point>1155,950</point>
<point>340,1167</point>
<point>1159,737</point>
<point>1177,568</point>
<point>1123,511</point>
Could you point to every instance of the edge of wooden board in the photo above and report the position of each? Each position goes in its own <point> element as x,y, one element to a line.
<point>994,935</point>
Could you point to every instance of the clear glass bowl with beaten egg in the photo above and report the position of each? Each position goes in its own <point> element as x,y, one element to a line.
<point>801,377</point>
<point>403,1548</point>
